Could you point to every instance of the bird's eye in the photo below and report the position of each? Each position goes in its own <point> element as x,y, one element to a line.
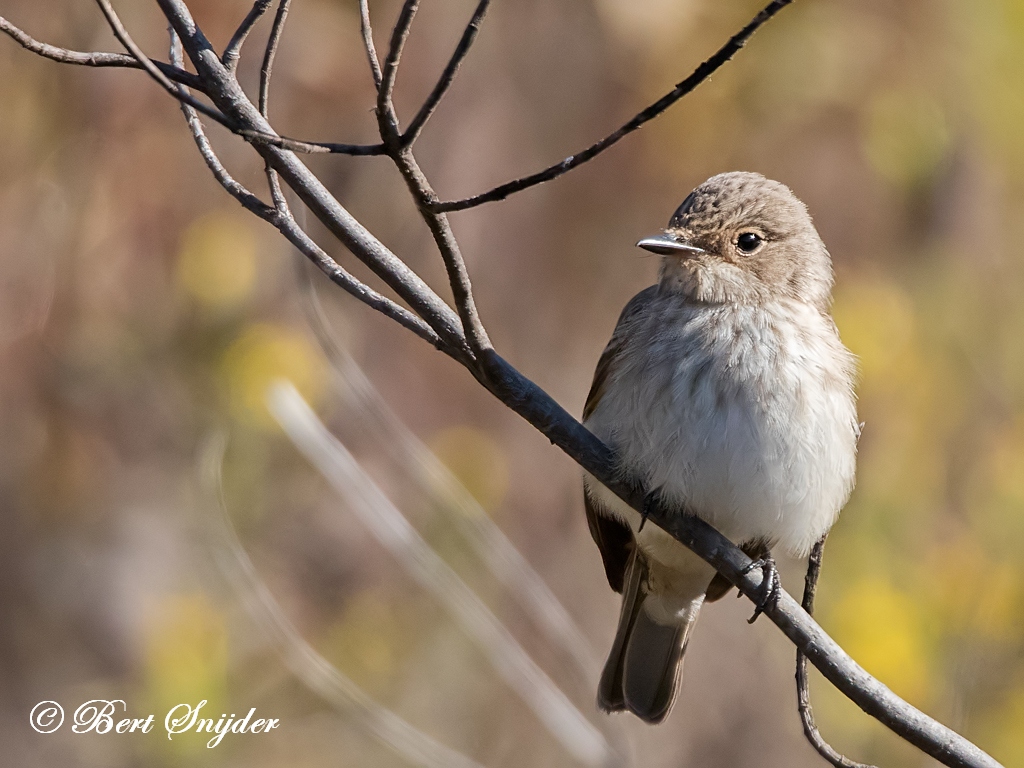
<point>748,242</point>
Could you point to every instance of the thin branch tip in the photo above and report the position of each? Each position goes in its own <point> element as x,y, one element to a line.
<point>686,86</point>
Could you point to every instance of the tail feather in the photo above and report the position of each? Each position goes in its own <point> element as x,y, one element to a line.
<point>643,669</point>
<point>610,696</point>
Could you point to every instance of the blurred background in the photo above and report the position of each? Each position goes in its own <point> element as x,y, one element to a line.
<point>143,314</point>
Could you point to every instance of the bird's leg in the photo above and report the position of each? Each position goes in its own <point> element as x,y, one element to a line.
<point>771,585</point>
<point>650,502</point>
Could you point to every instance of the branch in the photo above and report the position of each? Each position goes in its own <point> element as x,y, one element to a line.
<point>451,255</point>
<point>265,137</point>
<point>803,693</point>
<point>165,73</point>
<point>228,95</point>
<point>126,40</point>
<point>371,51</point>
<point>92,58</point>
<point>448,76</point>
<point>539,409</point>
<point>233,51</point>
<point>267,68</point>
<point>386,116</point>
<point>702,73</point>
<point>280,216</point>
<point>419,186</point>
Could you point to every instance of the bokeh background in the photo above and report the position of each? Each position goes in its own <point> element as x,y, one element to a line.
<point>142,313</point>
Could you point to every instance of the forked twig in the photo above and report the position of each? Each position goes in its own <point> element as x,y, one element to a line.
<point>114,21</point>
<point>233,51</point>
<point>295,145</point>
<point>803,693</point>
<point>280,217</point>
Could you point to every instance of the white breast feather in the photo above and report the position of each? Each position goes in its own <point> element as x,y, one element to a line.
<point>744,415</point>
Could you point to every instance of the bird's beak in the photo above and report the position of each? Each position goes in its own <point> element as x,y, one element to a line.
<point>667,245</point>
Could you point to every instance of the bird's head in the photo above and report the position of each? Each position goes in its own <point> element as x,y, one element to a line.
<point>740,237</point>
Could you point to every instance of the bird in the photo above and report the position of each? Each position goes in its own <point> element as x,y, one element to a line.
<point>726,392</point>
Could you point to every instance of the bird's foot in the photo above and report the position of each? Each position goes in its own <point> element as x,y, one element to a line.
<point>771,585</point>
<point>650,502</point>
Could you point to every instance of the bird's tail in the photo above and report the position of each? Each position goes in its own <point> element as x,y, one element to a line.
<point>643,669</point>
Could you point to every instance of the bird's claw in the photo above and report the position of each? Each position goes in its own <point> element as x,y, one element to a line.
<point>771,585</point>
<point>650,502</point>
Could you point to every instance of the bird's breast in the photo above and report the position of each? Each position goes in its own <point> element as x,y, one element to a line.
<point>744,415</point>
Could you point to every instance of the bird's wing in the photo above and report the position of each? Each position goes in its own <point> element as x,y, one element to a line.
<point>615,346</point>
<point>612,536</point>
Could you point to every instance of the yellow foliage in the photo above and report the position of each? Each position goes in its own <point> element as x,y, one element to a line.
<point>217,260</point>
<point>262,355</point>
<point>883,629</point>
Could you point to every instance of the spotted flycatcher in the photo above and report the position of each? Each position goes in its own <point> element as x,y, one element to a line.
<point>726,391</point>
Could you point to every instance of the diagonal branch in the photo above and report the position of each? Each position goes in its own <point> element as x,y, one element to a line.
<point>539,409</point>
<point>803,693</point>
<point>233,51</point>
<point>92,58</point>
<point>702,73</point>
<point>371,51</point>
<point>448,76</point>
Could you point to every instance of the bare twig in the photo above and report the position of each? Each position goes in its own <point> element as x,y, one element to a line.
<point>702,73</point>
<point>440,230</point>
<point>126,40</point>
<point>451,255</point>
<point>353,235</point>
<point>280,216</point>
<point>233,51</point>
<point>93,58</point>
<point>261,137</point>
<point>803,693</point>
<point>386,117</point>
<point>448,76</point>
<point>267,68</point>
<point>248,200</point>
<point>371,51</point>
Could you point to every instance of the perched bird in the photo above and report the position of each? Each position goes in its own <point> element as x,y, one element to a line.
<point>726,391</point>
